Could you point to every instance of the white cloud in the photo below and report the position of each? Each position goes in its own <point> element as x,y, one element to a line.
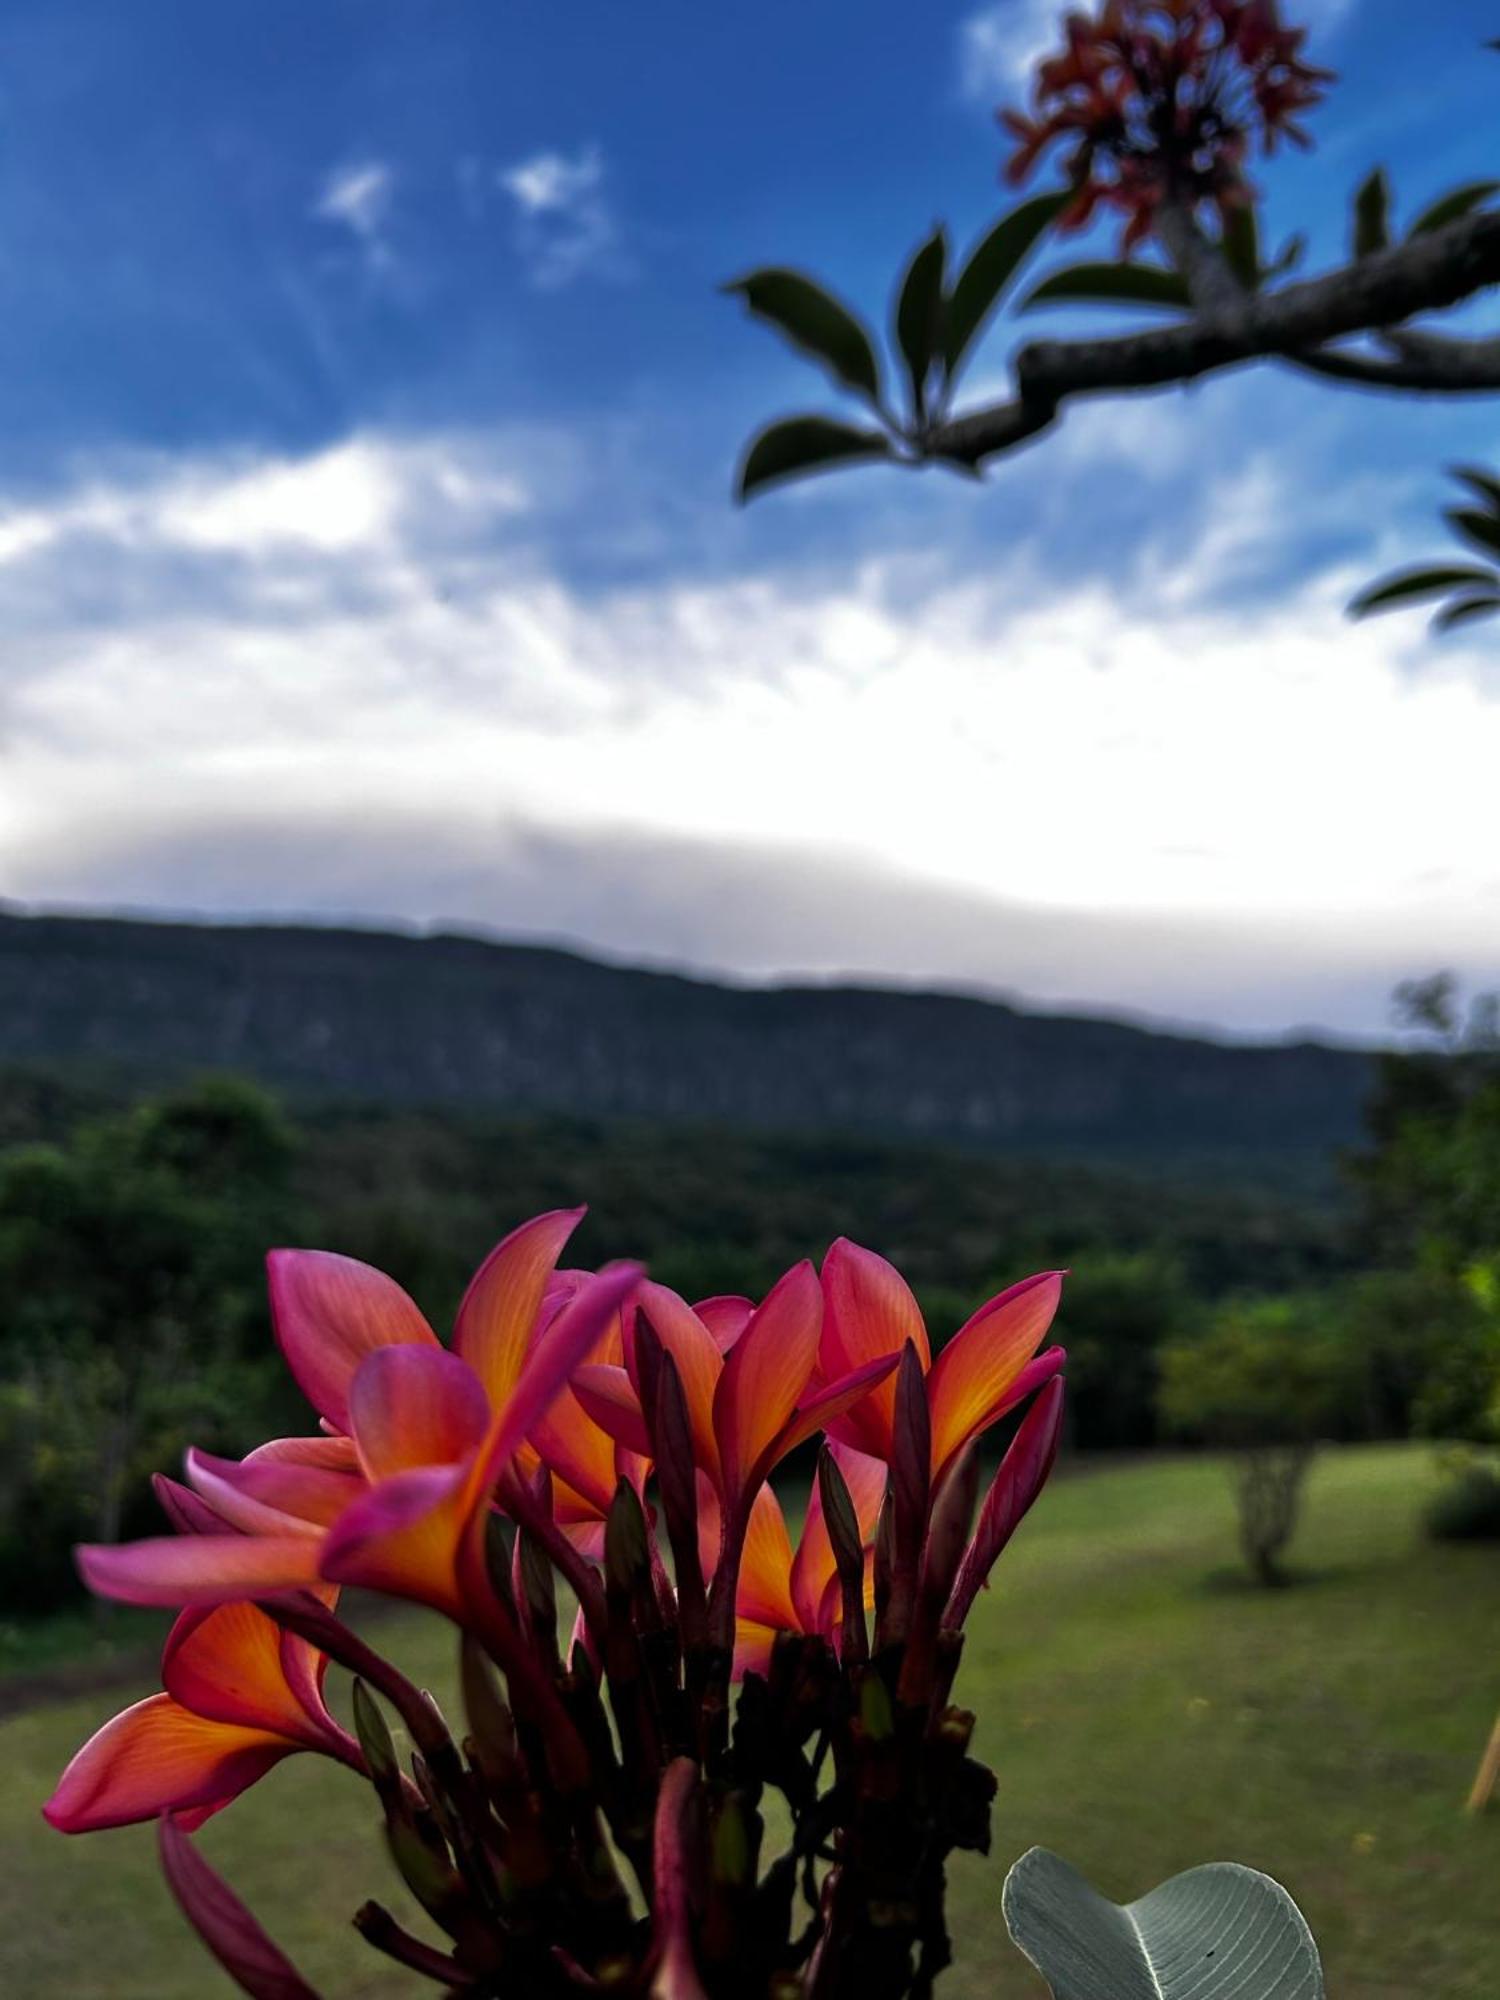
<point>1121,796</point>
<point>353,497</point>
<point>359,197</point>
<point>565,226</point>
<point>999,46</point>
<point>553,184</point>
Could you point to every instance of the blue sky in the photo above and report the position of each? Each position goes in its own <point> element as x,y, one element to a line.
<point>367,411</point>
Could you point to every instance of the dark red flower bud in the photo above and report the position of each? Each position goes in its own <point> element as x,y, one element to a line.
<point>1022,1475</point>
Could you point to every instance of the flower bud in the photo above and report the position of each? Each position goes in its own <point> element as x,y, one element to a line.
<point>627,1556</point>
<point>375,1740</point>
<point>842,1522</point>
<point>1023,1473</point>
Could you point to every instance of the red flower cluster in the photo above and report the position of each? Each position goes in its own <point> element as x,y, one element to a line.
<point>1161,100</point>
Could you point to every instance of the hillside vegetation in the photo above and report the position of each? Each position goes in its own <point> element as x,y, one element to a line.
<point>434,1021</point>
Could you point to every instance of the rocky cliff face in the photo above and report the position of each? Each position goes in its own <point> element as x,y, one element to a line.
<point>459,1021</point>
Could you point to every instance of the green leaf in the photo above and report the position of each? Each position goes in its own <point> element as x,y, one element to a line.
<point>1216,1933</point>
<point>1240,244</point>
<point>816,323</point>
<point>919,315</point>
<point>1372,215</point>
<point>1475,526</point>
<point>991,266</point>
<point>1288,257</point>
<point>1112,284</point>
<point>1412,583</point>
<point>798,445</point>
<point>1467,608</point>
<point>375,1740</point>
<point>1485,484</point>
<point>1453,207</point>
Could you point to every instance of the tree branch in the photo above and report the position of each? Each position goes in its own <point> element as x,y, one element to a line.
<point>1472,373</point>
<point>1215,291</point>
<point>1425,274</point>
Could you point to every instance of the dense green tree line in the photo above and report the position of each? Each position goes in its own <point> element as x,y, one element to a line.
<point>131,1238</point>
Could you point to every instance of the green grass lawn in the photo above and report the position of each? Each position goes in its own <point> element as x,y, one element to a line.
<point>1143,1709</point>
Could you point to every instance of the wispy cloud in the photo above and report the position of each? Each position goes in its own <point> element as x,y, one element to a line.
<point>999,46</point>
<point>399,706</point>
<point>566,227</point>
<point>358,197</point>
<point>361,496</point>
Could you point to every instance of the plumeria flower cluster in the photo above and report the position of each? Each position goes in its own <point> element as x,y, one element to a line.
<point>1161,101</point>
<point>590,1438</point>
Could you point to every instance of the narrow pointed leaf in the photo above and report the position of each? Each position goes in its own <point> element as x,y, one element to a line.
<point>1288,257</point>
<point>799,445</point>
<point>990,268</point>
<point>1220,1932</point>
<point>1372,214</point>
<point>1453,207</point>
<point>814,321</point>
<point>1485,485</point>
<point>1414,583</point>
<point>1465,611</point>
<point>919,314</point>
<point>375,1739</point>
<point>1240,246</point>
<point>491,1724</point>
<point>1475,526</point>
<point>1112,284</point>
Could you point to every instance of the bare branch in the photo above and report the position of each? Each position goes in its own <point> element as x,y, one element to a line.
<point>1216,292</point>
<point>1296,324</point>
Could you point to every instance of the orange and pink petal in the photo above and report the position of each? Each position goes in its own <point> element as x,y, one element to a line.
<point>765,1591</point>
<point>500,1310</point>
<point>972,1378</point>
<point>765,1376</point>
<point>329,1313</point>
<point>869,1311</point>
<point>259,1967</point>
<point>159,1757</point>
<point>199,1569</point>
<point>414,1406</point>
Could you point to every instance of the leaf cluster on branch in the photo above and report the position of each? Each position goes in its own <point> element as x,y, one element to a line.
<point>1349,325</point>
<point>1363,323</point>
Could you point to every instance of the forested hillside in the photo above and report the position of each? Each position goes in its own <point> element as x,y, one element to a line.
<point>434,1021</point>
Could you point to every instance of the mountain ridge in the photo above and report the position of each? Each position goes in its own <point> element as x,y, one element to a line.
<point>453,1018</point>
